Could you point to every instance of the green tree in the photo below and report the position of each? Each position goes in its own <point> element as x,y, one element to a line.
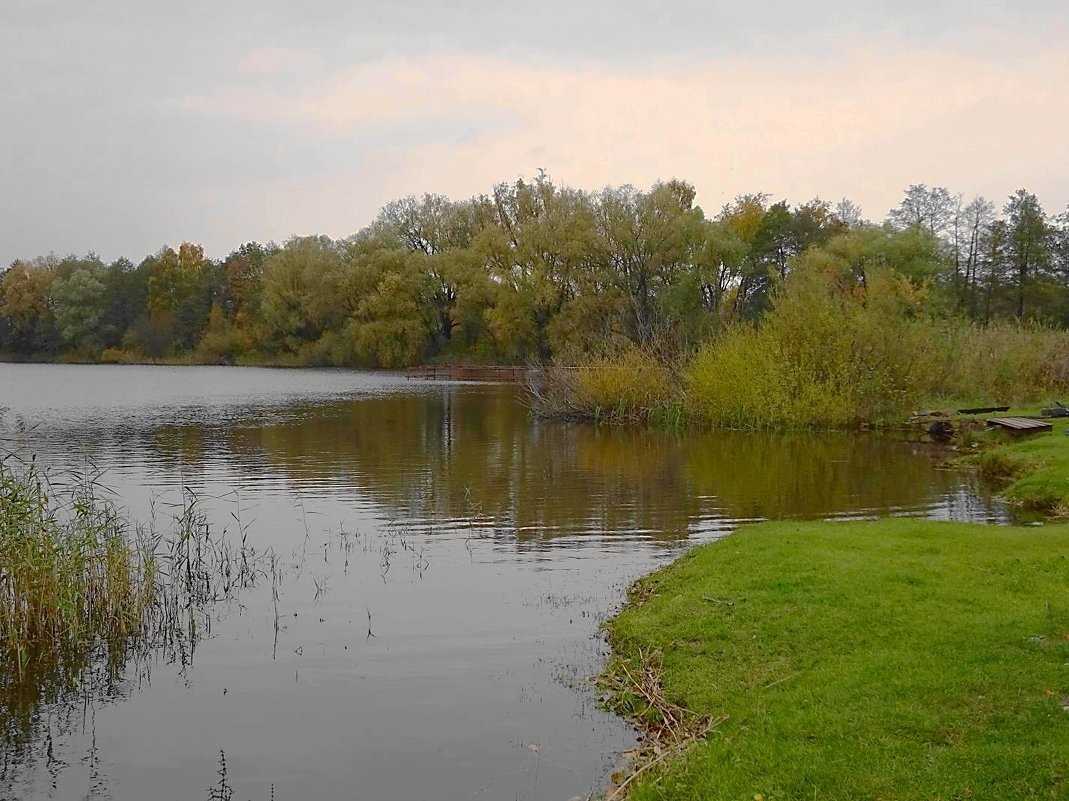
<point>242,282</point>
<point>992,270</point>
<point>393,314</point>
<point>301,292</point>
<point>432,226</point>
<point>536,243</point>
<point>125,301</point>
<point>1028,243</point>
<point>181,289</point>
<point>773,236</point>
<point>649,239</point>
<point>79,305</point>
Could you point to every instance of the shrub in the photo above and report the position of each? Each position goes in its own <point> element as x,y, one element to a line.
<point>628,387</point>
<point>829,353</point>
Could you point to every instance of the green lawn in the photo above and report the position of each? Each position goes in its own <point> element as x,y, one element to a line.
<point>896,659</point>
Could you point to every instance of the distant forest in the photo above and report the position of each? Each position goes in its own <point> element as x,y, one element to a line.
<point>529,272</point>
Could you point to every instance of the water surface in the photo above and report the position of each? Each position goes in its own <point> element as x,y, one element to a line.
<point>447,564</point>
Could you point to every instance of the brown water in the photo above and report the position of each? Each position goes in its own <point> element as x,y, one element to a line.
<point>482,550</point>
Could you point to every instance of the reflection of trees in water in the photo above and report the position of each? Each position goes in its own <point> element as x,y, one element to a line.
<point>464,453</point>
<point>474,452</point>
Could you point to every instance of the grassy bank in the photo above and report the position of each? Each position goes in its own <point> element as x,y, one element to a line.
<point>1034,470</point>
<point>897,659</point>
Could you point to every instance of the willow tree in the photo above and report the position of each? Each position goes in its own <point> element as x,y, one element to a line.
<point>300,294</point>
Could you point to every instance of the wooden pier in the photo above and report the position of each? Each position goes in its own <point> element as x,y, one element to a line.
<point>469,372</point>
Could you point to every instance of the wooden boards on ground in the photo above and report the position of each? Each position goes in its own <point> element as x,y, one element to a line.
<point>1020,425</point>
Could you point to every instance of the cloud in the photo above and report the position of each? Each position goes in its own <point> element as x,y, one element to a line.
<point>130,125</point>
<point>274,60</point>
<point>865,123</point>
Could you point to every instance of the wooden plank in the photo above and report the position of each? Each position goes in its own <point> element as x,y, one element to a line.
<point>1020,425</point>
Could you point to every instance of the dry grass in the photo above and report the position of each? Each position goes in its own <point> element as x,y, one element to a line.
<point>668,729</point>
<point>626,388</point>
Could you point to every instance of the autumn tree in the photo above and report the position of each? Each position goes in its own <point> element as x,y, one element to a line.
<point>24,302</point>
<point>182,286</point>
<point>242,282</point>
<point>773,236</point>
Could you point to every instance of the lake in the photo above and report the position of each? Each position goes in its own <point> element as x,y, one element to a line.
<point>445,564</point>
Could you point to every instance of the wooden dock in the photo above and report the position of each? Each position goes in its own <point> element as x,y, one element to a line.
<point>468,372</point>
<point>1020,425</point>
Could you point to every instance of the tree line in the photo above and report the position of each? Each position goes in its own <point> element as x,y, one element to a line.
<point>531,271</point>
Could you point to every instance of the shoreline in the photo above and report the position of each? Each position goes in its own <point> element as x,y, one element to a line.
<point>1033,471</point>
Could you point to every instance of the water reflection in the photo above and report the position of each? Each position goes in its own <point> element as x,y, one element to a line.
<point>473,452</point>
<point>55,696</point>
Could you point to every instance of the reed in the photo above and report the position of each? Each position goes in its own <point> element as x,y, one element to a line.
<point>76,574</point>
<point>632,386</point>
<point>87,596</point>
<point>72,570</point>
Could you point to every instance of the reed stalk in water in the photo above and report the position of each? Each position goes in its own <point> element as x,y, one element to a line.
<point>72,570</point>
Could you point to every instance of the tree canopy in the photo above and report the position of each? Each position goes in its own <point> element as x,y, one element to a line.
<point>530,271</point>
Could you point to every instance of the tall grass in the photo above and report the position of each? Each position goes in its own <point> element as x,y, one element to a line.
<point>1006,362</point>
<point>85,595</point>
<point>628,387</point>
<point>75,573</point>
<point>71,571</point>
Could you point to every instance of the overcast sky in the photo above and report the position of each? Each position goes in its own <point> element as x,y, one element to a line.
<point>129,124</point>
